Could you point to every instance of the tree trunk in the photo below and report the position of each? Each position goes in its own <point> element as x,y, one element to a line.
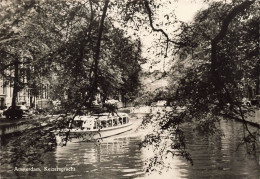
<point>16,78</point>
<point>96,57</point>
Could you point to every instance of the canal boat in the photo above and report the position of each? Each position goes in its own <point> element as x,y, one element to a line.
<point>98,126</point>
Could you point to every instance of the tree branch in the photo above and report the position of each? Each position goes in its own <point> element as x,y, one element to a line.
<point>235,11</point>
<point>160,30</point>
<point>241,120</point>
<point>12,64</point>
<point>218,83</point>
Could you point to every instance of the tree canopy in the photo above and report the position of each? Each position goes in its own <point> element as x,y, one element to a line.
<point>84,46</point>
<point>217,59</point>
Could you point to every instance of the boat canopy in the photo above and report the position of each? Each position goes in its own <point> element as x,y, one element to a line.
<point>101,117</point>
<point>84,118</point>
<point>103,120</point>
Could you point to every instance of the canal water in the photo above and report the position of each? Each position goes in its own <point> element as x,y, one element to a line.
<point>121,157</point>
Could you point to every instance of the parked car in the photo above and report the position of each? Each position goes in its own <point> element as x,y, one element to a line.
<point>13,112</point>
<point>246,102</point>
<point>112,101</point>
<point>44,104</point>
<point>24,108</point>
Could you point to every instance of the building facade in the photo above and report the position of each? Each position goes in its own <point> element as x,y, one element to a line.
<point>2,94</point>
<point>24,97</point>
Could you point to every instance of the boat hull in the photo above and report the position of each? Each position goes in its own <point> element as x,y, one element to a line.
<point>84,135</point>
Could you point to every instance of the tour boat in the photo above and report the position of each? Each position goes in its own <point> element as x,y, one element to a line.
<point>93,127</point>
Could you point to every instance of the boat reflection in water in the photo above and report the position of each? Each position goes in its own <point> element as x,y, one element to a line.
<point>118,156</point>
<point>93,127</point>
<point>112,158</point>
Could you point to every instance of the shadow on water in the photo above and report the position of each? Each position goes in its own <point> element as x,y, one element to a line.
<point>219,156</point>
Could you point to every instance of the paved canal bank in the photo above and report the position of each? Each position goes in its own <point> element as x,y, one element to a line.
<point>9,127</point>
<point>121,157</point>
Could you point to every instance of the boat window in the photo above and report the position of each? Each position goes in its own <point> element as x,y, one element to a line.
<point>115,122</point>
<point>109,123</point>
<point>124,120</point>
<point>77,124</point>
<point>103,124</point>
<point>120,121</point>
<point>99,124</point>
<point>95,125</point>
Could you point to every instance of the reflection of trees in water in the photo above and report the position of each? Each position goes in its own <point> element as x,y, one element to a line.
<point>113,154</point>
<point>26,147</point>
<point>189,141</point>
<point>219,152</point>
<point>25,150</point>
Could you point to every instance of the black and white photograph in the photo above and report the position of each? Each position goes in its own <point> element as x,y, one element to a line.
<point>129,89</point>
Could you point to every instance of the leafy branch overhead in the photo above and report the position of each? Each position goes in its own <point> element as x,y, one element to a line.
<point>215,66</point>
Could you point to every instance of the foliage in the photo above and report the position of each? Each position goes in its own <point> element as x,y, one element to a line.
<point>216,61</point>
<point>167,136</point>
<point>75,46</point>
<point>76,51</point>
<point>29,151</point>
